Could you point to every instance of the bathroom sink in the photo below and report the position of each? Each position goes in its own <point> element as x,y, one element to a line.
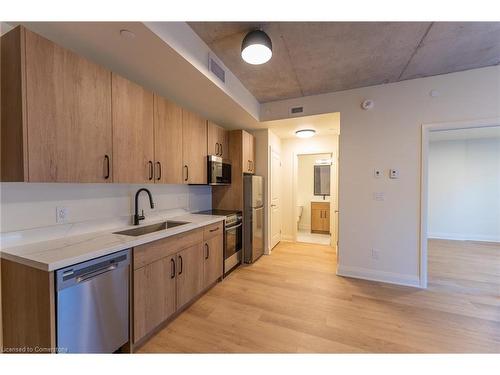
<point>152,228</point>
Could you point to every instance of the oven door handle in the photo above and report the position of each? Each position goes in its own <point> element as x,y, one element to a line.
<point>234,226</point>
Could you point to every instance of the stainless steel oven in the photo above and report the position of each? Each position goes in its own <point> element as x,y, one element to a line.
<point>219,171</point>
<point>233,242</point>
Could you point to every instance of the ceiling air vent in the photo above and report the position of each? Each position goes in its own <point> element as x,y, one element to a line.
<point>296,110</point>
<point>216,68</point>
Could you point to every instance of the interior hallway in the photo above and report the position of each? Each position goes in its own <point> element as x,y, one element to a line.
<point>304,235</point>
<point>292,301</point>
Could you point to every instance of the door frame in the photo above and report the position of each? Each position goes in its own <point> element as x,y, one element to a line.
<point>424,179</point>
<point>334,175</point>
<point>272,178</point>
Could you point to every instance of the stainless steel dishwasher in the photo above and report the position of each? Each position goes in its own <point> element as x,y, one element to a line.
<point>93,305</point>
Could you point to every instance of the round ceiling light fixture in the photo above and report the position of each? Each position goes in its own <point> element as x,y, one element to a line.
<point>305,133</point>
<point>256,47</point>
<point>127,34</point>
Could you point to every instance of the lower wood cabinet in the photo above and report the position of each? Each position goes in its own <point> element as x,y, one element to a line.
<point>171,273</point>
<point>154,295</point>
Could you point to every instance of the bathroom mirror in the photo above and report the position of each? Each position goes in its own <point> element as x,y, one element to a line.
<point>322,180</point>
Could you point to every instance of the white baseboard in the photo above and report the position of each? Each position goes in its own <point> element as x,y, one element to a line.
<point>287,238</point>
<point>463,237</point>
<point>381,276</point>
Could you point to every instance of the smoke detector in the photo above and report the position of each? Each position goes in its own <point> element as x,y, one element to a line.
<point>367,104</point>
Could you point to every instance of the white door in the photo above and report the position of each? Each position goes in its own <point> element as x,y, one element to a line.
<point>275,199</point>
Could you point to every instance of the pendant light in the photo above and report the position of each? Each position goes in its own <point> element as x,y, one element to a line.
<point>256,47</point>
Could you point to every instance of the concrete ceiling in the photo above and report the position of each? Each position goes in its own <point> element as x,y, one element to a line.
<point>318,57</point>
<point>326,124</point>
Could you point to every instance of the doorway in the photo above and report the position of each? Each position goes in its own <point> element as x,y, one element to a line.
<point>314,198</point>
<point>460,205</point>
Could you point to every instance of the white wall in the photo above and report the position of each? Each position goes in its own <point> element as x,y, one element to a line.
<point>305,187</point>
<point>389,136</point>
<point>290,148</point>
<point>464,189</point>
<point>26,206</point>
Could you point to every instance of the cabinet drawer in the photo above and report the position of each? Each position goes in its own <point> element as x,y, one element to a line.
<point>213,230</point>
<point>150,252</point>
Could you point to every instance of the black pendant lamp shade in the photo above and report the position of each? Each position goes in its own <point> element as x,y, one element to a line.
<point>256,47</point>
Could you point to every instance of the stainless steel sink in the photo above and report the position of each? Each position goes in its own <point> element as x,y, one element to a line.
<point>152,228</point>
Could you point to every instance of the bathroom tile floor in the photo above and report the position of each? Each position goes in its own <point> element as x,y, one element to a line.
<point>304,235</point>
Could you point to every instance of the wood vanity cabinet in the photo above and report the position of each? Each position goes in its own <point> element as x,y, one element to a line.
<point>194,148</point>
<point>171,273</point>
<point>133,143</point>
<point>248,147</point>
<point>56,113</point>
<point>320,217</point>
<point>218,140</point>
<point>168,141</point>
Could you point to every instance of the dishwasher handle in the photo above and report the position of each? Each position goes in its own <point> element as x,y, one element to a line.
<point>96,273</point>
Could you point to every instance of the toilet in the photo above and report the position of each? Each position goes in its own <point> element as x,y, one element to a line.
<point>300,209</point>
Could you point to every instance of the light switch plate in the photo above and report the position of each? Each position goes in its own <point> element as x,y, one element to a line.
<point>393,173</point>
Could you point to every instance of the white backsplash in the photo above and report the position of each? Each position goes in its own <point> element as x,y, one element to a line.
<point>28,210</point>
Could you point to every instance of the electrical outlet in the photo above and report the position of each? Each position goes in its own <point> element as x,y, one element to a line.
<point>377,173</point>
<point>61,215</point>
<point>375,254</point>
<point>394,173</point>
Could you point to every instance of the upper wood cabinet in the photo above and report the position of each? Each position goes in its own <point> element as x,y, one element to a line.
<point>56,113</point>
<point>194,148</point>
<point>248,147</point>
<point>168,141</point>
<point>218,140</point>
<point>133,144</point>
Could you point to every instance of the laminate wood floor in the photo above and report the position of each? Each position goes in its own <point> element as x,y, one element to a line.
<point>292,301</point>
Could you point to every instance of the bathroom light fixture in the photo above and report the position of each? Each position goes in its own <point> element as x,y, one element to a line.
<point>256,47</point>
<point>305,133</point>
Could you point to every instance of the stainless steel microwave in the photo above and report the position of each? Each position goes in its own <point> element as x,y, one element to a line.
<point>219,171</point>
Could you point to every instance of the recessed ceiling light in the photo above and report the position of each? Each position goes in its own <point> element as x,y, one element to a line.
<point>127,34</point>
<point>256,47</point>
<point>305,133</point>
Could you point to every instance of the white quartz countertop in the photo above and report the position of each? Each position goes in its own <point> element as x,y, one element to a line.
<point>59,253</point>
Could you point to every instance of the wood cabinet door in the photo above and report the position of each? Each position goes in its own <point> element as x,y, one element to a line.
<point>154,295</point>
<point>194,148</point>
<point>168,141</point>
<point>246,162</point>
<point>213,256</point>
<point>217,140</point>
<point>189,273</point>
<point>316,220</point>
<point>223,136</point>
<point>251,152</point>
<point>133,145</point>
<point>68,115</point>
<point>326,220</point>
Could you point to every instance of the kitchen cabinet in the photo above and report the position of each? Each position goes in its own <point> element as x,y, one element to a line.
<point>248,152</point>
<point>213,257</point>
<point>189,274</point>
<point>133,143</point>
<point>154,295</point>
<point>56,113</point>
<point>320,217</point>
<point>218,140</point>
<point>167,141</point>
<point>194,148</point>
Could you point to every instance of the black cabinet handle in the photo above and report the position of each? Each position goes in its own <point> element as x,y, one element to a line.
<point>213,230</point>
<point>106,159</point>
<point>187,173</point>
<point>172,274</point>
<point>207,248</point>
<point>159,171</point>
<point>150,170</point>
<point>180,271</point>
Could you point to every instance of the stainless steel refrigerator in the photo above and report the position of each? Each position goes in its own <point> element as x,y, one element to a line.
<point>253,218</point>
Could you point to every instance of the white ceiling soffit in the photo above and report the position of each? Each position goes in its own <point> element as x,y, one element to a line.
<point>148,60</point>
<point>326,124</point>
<point>492,132</point>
